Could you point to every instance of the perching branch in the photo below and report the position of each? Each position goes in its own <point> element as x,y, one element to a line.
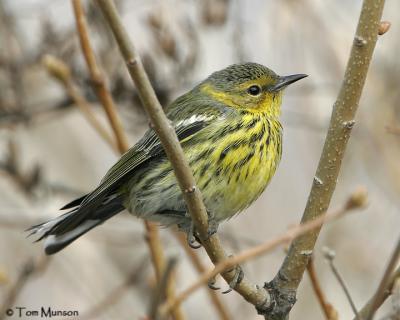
<point>98,79</point>
<point>253,294</point>
<point>357,200</point>
<point>284,286</point>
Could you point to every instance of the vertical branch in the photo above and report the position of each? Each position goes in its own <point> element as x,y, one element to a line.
<point>156,249</point>
<point>286,282</point>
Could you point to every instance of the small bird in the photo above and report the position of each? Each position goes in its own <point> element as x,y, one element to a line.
<point>229,129</point>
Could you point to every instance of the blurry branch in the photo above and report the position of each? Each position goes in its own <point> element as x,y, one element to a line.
<point>385,286</point>
<point>395,313</point>
<point>157,255</point>
<point>330,256</point>
<point>17,63</point>
<point>165,38</point>
<point>116,294</point>
<point>11,52</point>
<point>61,72</point>
<point>155,245</point>
<point>98,79</point>
<point>357,200</point>
<point>329,311</point>
<point>255,295</point>
<point>387,292</point>
<point>27,181</point>
<point>194,258</point>
<point>284,286</point>
<point>158,259</point>
<point>168,44</point>
<point>10,118</point>
<point>11,166</point>
<point>29,269</point>
<point>160,292</point>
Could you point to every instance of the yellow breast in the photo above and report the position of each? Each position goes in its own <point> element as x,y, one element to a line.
<point>239,166</point>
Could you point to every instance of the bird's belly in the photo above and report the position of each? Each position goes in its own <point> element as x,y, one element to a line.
<point>236,188</point>
<point>231,174</point>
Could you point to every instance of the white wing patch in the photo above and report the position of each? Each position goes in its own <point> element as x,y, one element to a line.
<point>194,118</point>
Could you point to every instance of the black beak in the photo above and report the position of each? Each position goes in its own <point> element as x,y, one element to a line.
<point>284,81</point>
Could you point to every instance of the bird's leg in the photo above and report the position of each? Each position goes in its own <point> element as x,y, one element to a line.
<point>212,226</point>
<point>237,278</point>
<point>192,239</point>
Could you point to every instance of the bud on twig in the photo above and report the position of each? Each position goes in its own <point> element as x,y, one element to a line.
<point>57,68</point>
<point>384,27</point>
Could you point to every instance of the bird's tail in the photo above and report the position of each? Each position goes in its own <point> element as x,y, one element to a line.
<point>60,232</point>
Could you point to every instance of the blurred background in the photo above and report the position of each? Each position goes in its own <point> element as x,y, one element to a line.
<point>50,154</point>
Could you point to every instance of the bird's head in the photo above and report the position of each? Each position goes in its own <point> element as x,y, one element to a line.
<point>248,86</point>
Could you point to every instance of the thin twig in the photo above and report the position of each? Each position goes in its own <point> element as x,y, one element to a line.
<point>385,284</point>
<point>284,285</point>
<point>367,307</point>
<point>161,290</point>
<point>329,311</point>
<point>263,248</point>
<point>98,79</point>
<point>26,181</point>
<point>158,259</point>
<point>330,255</point>
<point>156,249</point>
<point>255,295</point>
<point>194,258</point>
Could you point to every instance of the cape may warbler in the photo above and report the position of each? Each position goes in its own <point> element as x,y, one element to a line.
<point>229,129</point>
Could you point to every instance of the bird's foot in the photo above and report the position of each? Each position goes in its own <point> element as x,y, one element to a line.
<point>192,239</point>
<point>212,227</point>
<point>237,278</point>
<point>211,284</point>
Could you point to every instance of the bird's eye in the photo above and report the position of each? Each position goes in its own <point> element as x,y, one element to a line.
<point>254,90</point>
